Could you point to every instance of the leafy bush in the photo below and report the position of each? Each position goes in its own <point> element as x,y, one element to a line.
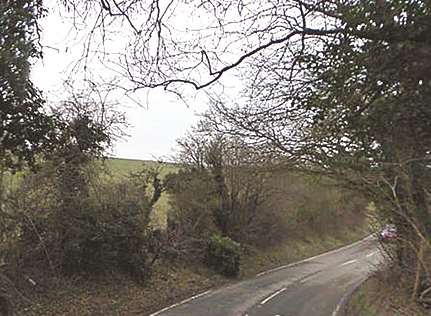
<point>223,255</point>
<point>192,201</point>
<point>221,188</point>
<point>86,223</point>
<point>110,231</point>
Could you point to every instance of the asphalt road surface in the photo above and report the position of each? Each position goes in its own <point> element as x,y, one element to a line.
<point>312,287</point>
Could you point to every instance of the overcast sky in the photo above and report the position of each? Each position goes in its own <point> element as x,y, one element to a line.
<point>153,130</point>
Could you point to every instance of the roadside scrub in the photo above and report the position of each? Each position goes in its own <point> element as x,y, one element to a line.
<point>295,249</point>
<point>402,285</point>
<point>68,222</point>
<point>381,295</point>
<point>394,289</point>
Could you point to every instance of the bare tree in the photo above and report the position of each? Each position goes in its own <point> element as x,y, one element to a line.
<point>175,44</point>
<point>339,87</point>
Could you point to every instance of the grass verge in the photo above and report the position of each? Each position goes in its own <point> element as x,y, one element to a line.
<point>295,249</point>
<point>378,297</point>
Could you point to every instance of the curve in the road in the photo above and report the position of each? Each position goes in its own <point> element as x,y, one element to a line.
<point>311,287</point>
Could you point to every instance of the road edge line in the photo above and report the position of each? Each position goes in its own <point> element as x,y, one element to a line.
<point>348,262</point>
<point>180,303</point>
<point>266,300</point>
<point>340,309</point>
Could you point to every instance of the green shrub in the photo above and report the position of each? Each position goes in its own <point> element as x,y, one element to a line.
<point>108,233</point>
<point>98,226</point>
<point>223,255</point>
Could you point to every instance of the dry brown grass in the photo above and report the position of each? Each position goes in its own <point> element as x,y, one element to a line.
<point>115,294</point>
<point>386,293</point>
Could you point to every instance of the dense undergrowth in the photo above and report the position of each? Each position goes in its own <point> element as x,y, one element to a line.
<point>393,289</point>
<point>383,295</point>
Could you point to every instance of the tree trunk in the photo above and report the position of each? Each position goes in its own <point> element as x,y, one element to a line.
<point>418,271</point>
<point>418,174</point>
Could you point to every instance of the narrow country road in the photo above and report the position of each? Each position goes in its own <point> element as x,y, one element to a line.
<point>312,287</point>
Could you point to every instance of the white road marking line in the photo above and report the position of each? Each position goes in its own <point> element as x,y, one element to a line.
<point>337,309</point>
<point>272,270</point>
<point>371,254</point>
<point>272,296</point>
<point>276,269</point>
<point>308,278</point>
<point>315,257</point>
<point>345,297</point>
<point>180,303</point>
<point>348,262</point>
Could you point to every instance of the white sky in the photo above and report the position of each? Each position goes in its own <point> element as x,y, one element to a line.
<point>153,131</point>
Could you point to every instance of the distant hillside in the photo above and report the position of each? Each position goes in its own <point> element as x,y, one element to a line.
<point>121,166</point>
<point>124,166</point>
